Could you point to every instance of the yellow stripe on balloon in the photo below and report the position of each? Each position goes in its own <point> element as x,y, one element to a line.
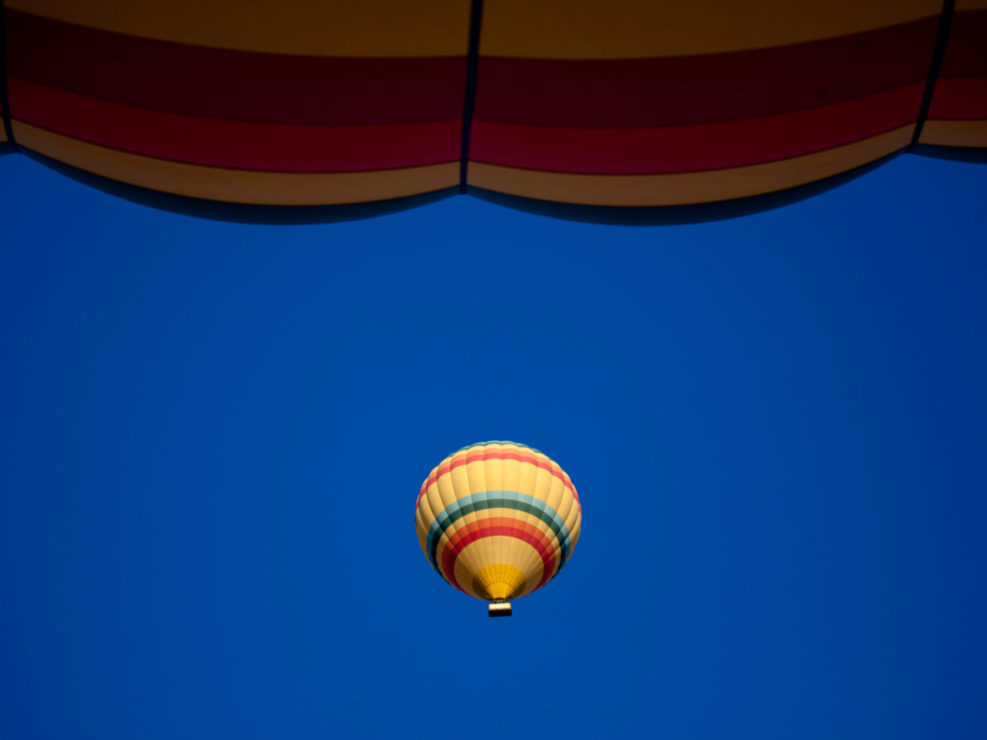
<point>238,186</point>
<point>521,476</point>
<point>955,133</point>
<point>493,513</point>
<point>498,551</point>
<point>688,187</point>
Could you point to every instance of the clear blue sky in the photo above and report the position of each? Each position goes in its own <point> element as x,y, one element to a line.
<point>212,436</point>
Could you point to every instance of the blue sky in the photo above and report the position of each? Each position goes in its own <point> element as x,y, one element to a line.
<point>212,436</point>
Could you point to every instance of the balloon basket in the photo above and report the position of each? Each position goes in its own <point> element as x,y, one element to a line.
<point>499,609</point>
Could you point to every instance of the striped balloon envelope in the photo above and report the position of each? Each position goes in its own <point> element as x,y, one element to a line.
<point>498,520</point>
<point>607,110</point>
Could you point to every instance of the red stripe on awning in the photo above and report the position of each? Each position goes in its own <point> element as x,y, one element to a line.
<point>235,144</point>
<point>697,147</point>
<point>703,88</point>
<point>230,84</point>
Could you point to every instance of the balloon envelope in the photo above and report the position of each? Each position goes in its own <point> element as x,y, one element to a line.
<point>498,520</point>
<point>288,109</point>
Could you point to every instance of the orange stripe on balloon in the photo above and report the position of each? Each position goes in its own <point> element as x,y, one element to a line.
<point>449,464</point>
<point>493,527</point>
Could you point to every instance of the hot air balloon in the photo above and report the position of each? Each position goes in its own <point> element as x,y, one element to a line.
<point>498,520</point>
<point>607,110</point>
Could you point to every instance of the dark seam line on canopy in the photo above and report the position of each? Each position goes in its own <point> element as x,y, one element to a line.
<point>472,57</point>
<point>942,41</point>
<point>8,129</point>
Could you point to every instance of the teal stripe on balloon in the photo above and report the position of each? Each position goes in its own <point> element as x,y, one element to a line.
<point>519,445</point>
<point>497,500</point>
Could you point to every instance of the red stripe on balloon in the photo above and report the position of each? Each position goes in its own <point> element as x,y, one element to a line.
<point>231,84</point>
<point>266,147</point>
<point>493,527</point>
<point>704,88</point>
<point>448,465</point>
<point>963,99</point>
<point>694,148</point>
